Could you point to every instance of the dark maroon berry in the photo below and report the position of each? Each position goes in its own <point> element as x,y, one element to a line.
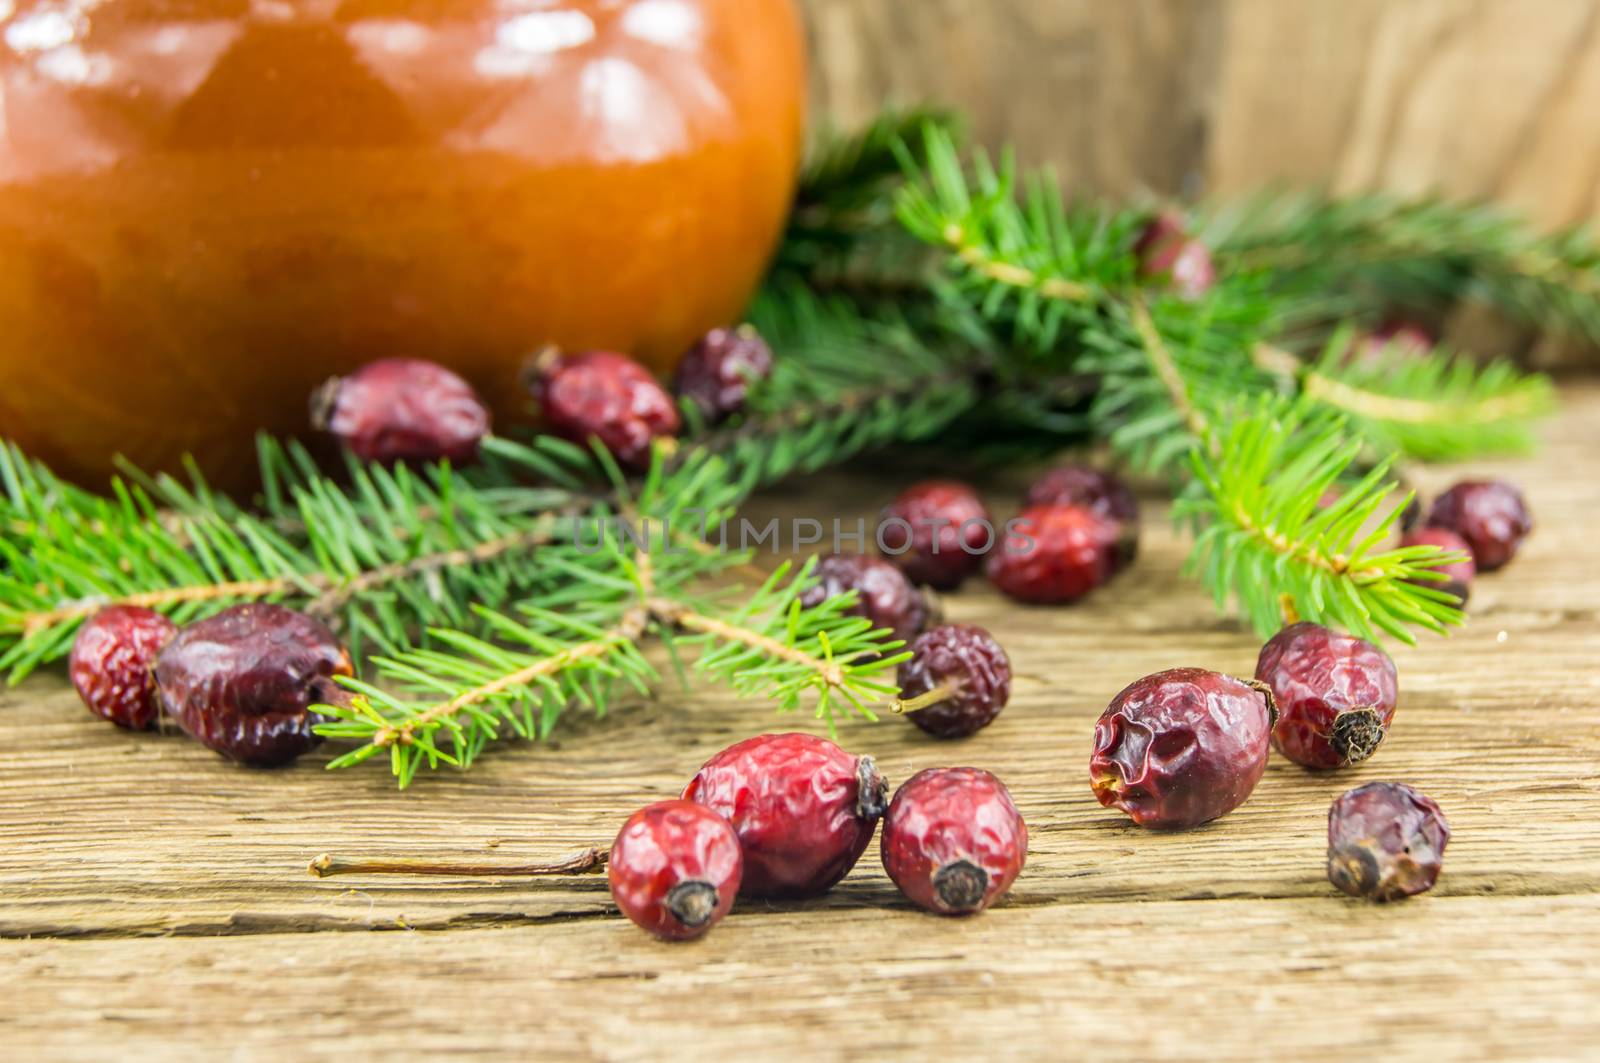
<point>803,808</point>
<point>1460,573</point>
<point>403,409</point>
<point>937,532</point>
<point>675,869</point>
<point>111,662</point>
<point>1055,554</point>
<point>242,682</point>
<point>956,682</point>
<point>1336,695</point>
<point>717,373</point>
<point>608,397</point>
<point>1168,253</point>
<point>1105,494</point>
<point>1182,747</point>
<point>1411,516</point>
<point>1385,842</point>
<point>1490,515</point>
<point>883,594</point>
<point>953,840</point>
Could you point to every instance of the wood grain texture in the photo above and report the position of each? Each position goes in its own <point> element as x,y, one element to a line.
<point>165,895</point>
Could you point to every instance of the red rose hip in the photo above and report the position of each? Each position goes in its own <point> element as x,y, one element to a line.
<point>675,869</point>
<point>111,664</point>
<point>1093,489</point>
<point>803,808</point>
<point>1182,747</point>
<point>242,682</point>
<point>1168,253</point>
<point>718,372</point>
<point>1055,554</point>
<point>883,594</point>
<point>956,682</point>
<point>1336,695</point>
<point>1385,842</point>
<point>1490,516</point>
<point>936,532</point>
<point>953,840</point>
<point>403,409</point>
<point>608,397</point>
<point>1460,574</point>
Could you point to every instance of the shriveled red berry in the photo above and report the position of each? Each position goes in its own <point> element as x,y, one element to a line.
<point>609,397</point>
<point>953,840</point>
<point>1460,573</point>
<point>1168,253</point>
<point>1336,695</point>
<point>883,594</point>
<point>956,682</point>
<point>1490,515</point>
<point>1093,489</point>
<point>717,373</point>
<point>803,808</point>
<point>937,532</point>
<point>242,682</point>
<point>111,664</point>
<point>1385,842</point>
<point>402,409</point>
<point>675,869</point>
<point>1054,554</point>
<point>1395,341</point>
<point>1182,747</point>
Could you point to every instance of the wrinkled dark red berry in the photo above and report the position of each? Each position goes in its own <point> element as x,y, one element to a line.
<point>402,409</point>
<point>1055,554</point>
<point>1182,747</point>
<point>717,373</point>
<point>242,682</point>
<point>111,664</point>
<point>1336,695</point>
<point>937,532</point>
<point>1168,253</point>
<point>966,673</point>
<point>1460,573</point>
<point>953,840</point>
<point>609,397</point>
<point>1091,488</point>
<point>883,594</point>
<point>675,869</point>
<point>1385,842</point>
<point>803,808</point>
<point>1490,515</point>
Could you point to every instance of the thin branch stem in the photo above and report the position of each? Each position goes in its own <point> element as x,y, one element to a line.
<point>927,700</point>
<point>679,615</point>
<point>1166,369</point>
<point>981,262</point>
<point>589,861</point>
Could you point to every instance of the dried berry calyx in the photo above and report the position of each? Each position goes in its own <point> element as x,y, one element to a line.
<point>1055,554</point>
<point>883,594</point>
<point>953,840</point>
<point>1491,516</point>
<point>937,532</point>
<point>1386,842</point>
<point>675,869</point>
<point>605,396</point>
<point>241,682</point>
<point>403,409</point>
<point>717,373</point>
<point>111,663</point>
<point>803,808</point>
<point>956,682</point>
<point>1336,695</point>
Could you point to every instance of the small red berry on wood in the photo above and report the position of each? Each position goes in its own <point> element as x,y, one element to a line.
<point>1460,573</point>
<point>1336,695</point>
<point>111,664</point>
<point>883,594</point>
<point>1093,489</point>
<point>675,869</point>
<point>1182,747</point>
<point>803,808</point>
<point>717,373</point>
<point>937,532</point>
<point>956,682</point>
<point>609,397</point>
<point>953,840</point>
<point>242,682</point>
<point>1055,554</point>
<point>1491,516</point>
<point>403,409</point>
<point>1385,842</point>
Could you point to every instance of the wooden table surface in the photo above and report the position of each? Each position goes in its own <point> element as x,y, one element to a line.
<point>154,899</point>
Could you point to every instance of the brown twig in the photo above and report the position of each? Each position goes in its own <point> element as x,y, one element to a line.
<point>589,861</point>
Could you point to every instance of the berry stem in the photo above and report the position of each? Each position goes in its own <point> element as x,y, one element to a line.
<point>585,862</point>
<point>927,700</point>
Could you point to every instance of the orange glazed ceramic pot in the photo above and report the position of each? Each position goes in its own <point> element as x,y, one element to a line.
<point>207,207</point>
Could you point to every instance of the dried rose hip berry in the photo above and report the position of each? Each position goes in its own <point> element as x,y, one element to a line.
<point>1396,341</point>
<point>956,682</point>
<point>883,594</point>
<point>241,682</point>
<point>1054,554</point>
<point>1182,747</point>
<point>402,409</point>
<point>1490,515</point>
<point>609,397</point>
<point>1336,695</point>
<point>937,533</point>
<point>675,869</point>
<point>1460,573</point>
<point>803,808</point>
<point>717,373</point>
<point>953,840</point>
<point>1168,253</point>
<point>1385,842</point>
<point>1105,494</point>
<point>111,661</point>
